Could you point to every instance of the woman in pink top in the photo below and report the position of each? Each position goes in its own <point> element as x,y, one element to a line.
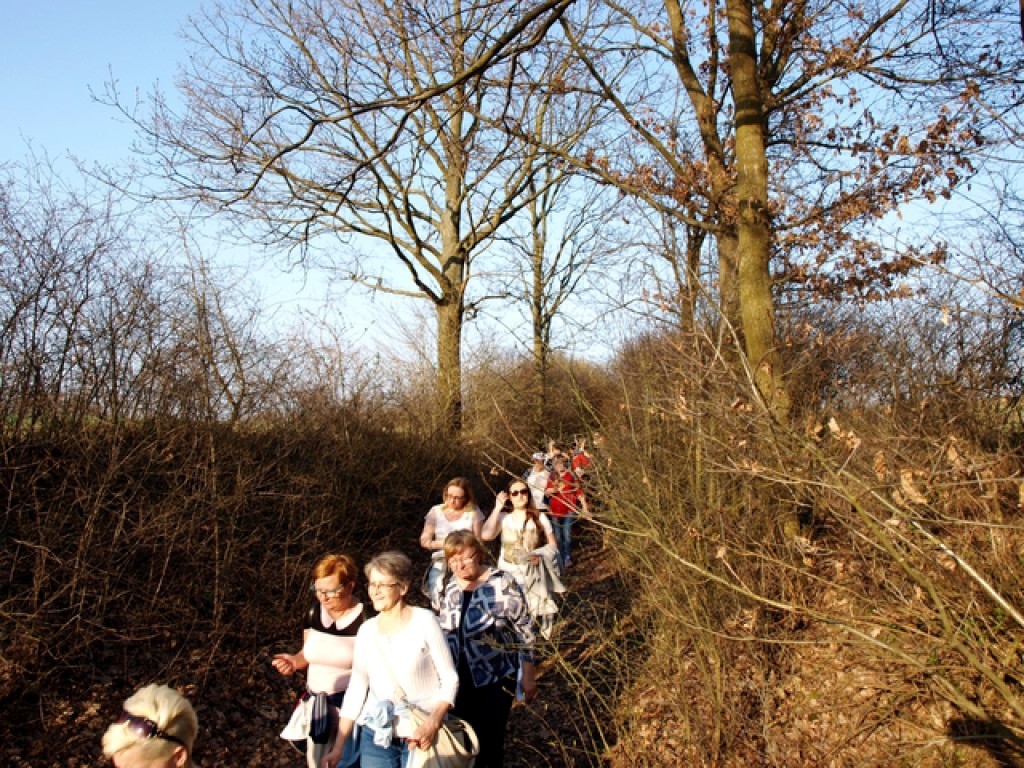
<point>328,643</point>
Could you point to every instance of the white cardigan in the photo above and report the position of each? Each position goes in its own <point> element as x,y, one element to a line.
<point>416,658</point>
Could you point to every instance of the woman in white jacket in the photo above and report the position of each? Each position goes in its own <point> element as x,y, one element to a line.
<point>401,663</point>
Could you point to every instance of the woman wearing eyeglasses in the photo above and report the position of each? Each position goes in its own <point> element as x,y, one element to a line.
<point>528,552</point>
<point>401,664</point>
<point>457,512</point>
<point>491,635</point>
<point>156,729</point>
<point>328,644</point>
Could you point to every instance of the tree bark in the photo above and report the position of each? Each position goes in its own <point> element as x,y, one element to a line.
<point>449,366</point>
<point>753,229</point>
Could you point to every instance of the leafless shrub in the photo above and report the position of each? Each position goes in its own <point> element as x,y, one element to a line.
<point>169,472</point>
<point>839,589</point>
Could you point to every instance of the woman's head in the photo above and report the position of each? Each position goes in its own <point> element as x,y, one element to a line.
<point>458,494</point>
<point>393,564</point>
<point>466,555</point>
<point>519,494</point>
<point>388,577</point>
<point>463,544</point>
<point>156,730</point>
<point>334,579</point>
<point>342,566</point>
<point>522,499</point>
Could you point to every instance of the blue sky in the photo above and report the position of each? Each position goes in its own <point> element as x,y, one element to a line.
<point>53,51</point>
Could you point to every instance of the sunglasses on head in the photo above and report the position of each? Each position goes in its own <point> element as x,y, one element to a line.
<point>145,728</point>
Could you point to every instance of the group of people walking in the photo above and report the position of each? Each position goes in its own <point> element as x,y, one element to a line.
<point>385,684</point>
<point>380,684</point>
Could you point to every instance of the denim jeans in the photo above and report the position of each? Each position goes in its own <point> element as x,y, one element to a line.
<point>563,537</point>
<point>372,756</point>
<point>432,583</point>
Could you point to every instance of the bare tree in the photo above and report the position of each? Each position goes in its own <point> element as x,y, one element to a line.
<point>372,124</point>
<point>562,237</point>
<point>98,322</point>
<point>790,133</point>
<point>79,301</point>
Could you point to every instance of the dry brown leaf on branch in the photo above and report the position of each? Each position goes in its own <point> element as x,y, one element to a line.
<point>847,436</point>
<point>953,456</point>
<point>881,466</point>
<point>946,561</point>
<point>909,489</point>
<point>990,484</point>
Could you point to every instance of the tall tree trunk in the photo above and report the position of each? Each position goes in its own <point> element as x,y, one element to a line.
<point>728,279</point>
<point>753,229</point>
<point>449,365</point>
<point>540,319</point>
<point>451,306</point>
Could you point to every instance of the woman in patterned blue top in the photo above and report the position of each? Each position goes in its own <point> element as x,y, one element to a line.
<point>489,631</point>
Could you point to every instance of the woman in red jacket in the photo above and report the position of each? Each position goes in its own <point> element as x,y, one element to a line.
<point>565,502</point>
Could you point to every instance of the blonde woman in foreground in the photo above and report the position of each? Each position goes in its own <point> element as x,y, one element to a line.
<point>156,729</point>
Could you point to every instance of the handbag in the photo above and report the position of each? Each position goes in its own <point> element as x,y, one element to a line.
<point>455,746</point>
<point>315,718</point>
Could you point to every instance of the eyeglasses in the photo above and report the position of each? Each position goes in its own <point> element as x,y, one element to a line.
<point>519,492</point>
<point>375,585</point>
<point>145,728</point>
<point>453,497</point>
<point>462,559</point>
<point>326,594</point>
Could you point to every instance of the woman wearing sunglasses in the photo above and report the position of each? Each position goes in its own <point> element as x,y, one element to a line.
<point>328,644</point>
<point>491,635</point>
<point>528,552</point>
<point>156,729</point>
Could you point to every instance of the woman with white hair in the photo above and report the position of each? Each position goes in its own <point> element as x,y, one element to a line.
<point>156,729</point>
<point>403,677</point>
